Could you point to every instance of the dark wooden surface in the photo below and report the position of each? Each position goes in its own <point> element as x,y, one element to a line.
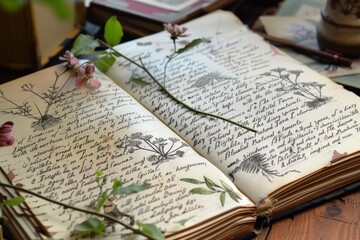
<point>333,220</point>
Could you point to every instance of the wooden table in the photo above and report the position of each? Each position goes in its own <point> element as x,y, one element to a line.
<point>333,220</point>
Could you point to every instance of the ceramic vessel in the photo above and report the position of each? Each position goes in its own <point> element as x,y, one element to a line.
<point>339,27</point>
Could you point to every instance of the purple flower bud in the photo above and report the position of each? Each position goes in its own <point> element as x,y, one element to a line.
<point>175,30</point>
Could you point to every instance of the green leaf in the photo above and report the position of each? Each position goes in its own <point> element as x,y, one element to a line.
<point>116,54</point>
<point>150,230</point>
<point>226,186</point>
<point>91,225</point>
<point>210,184</point>
<point>222,198</point>
<point>231,192</point>
<point>14,201</point>
<point>191,180</point>
<point>132,188</point>
<point>234,196</point>
<point>100,52</point>
<point>117,183</point>
<point>192,44</point>
<point>201,191</point>
<point>11,5</point>
<point>113,31</point>
<point>100,202</point>
<point>139,80</point>
<point>98,173</point>
<point>1,212</point>
<point>105,62</point>
<point>84,44</point>
<point>183,221</point>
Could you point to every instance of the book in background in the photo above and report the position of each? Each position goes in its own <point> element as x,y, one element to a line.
<point>34,33</point>
<point>140,18</point>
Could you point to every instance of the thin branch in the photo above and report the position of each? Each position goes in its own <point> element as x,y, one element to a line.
<point>135,231</point>
<point>189,107</point>
<point>173,97</point>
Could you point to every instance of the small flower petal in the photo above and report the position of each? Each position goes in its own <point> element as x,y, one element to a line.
<point>175,30</point>
<point>70,59</point>
<point>94,83</point>
<point>6,127</point>
<point>89,69</point>
<point>6,135</point>
<point>80,82</point>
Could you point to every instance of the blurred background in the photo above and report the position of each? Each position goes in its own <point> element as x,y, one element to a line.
<point>36,32</point>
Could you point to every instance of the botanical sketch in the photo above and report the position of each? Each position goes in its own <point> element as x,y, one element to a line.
<point>305,35</point>
<point>310,91</point>
<point>210,79</point>
<point>212,188</point>
<point>163,149</point>
<point>42,116</point>
<point>257,164</point>
<point>301,33</point>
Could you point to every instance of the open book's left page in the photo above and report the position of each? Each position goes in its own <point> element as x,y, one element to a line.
<point>64,135</point>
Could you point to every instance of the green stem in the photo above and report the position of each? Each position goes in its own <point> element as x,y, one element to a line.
<point>173,97</point>
<point>191,108</point>
<point>135,231</point>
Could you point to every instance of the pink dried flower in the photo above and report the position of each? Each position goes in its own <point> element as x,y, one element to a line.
<point>85,77</point>
<point>71,60</point>
<point>6,134</point>
<point>175,30</point>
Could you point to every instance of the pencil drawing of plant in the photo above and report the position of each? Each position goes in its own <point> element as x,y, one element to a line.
<point>302,33</point>
<point>257,164</point>
<point>210,79</point>
<point>212,188</point>
<point>41,115</point>
<point>160,147</point>
<point>311,91</point>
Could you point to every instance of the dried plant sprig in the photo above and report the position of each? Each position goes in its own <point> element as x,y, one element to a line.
<point>86,45</point>
<point>143,229</point>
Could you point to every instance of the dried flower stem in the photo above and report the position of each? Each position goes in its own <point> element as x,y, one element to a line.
<point>135,231</point>
<point>142,66</point>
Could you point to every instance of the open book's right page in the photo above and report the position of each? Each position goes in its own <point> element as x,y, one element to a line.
<point>304,120</point>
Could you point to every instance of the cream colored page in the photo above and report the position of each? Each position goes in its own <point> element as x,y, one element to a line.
<point>64,135</point>
<point>301,117</point>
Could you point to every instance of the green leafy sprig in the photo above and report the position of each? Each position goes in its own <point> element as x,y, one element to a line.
<point>212,188</point>
<point>87,45</point>
<point>94,224</point>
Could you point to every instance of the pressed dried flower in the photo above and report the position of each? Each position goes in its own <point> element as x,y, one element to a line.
<point>70,59</point>
<point>85,77</point>
<point>6,134</point>
<point>175,30</point>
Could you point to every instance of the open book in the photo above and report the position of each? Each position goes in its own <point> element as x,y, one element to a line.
<point>209,179</point>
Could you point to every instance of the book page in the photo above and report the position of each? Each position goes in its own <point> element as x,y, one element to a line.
<point>64,135</point>
<point>302,118</point>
